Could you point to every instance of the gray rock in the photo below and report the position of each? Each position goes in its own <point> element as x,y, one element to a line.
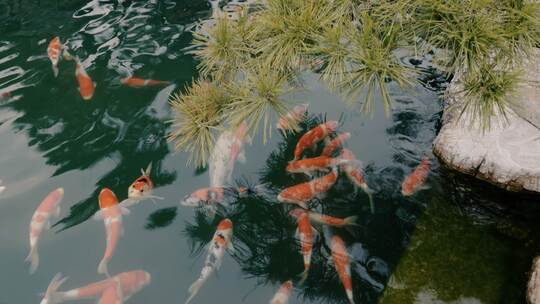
<point>533,288</point>
<point>508,154</point>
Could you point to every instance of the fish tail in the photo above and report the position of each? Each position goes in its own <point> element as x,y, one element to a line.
<point>55,70</point>
<point>52,296</point>
<point>350,296</point>
<point>67,56</point>
<point>33,258</point>
<point>194,289</point>
<point>369,192</point>
<point>303,276</point>
<point>102,268</point>
<point>351,220</point>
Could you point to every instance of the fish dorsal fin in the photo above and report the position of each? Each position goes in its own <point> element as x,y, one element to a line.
<point>230,246</point>
<point>148,170</point>
<point>98,215</point>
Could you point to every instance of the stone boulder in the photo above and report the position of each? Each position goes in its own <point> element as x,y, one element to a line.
<point>533,288</point>
<point>508,154</point>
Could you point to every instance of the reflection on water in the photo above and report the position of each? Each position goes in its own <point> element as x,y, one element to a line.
<point>52,138</point>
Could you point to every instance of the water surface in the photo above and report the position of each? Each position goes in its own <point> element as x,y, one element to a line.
<point>51,138</point>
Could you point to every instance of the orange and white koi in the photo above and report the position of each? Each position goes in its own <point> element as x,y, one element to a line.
<point>86,85</point>
<point>135,82</point>
<point>219,244</point>
<point>416,180</point>
<point>342,264</point>
<point>228,149</point>
<point>356,176</point>
<point>54,49</point>
<point>283,293</point>
<point>305,234</point>
<point>302,193</point>
<point>237,148</point>
<point>49,207</point>
<point>111,214</point>
<point>112,295</point>
<point>127,284</point>
<point>335,143</point>
<point>322,219</point>
<point>141,189</point>
<point>290,121</point>
<point>314,136</point>
<point>319,163</point>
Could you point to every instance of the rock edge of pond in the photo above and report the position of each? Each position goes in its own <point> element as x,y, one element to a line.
<point>508,154</point>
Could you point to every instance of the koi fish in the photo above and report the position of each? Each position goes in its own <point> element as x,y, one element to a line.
<point>319,163</point>
<point>111,214</point>
<point>49,207</point>
<point>237,148</point>
<point>356,176</point>
<point>135,82</point>
<point>302,193</point>
<point>210,196</point>
<point>415,181</point>
<point>112,295</point>
<point>343,267</point>
<point>335,143</point>
<point>283,294</point>
<point>86,85</point>
<point>141,189</point>
<point>305,234</point>
<point>219,244</point>
<point>143,185</point>
<point>228,149</point>
<point>314,136</point>
<point>54,49</point>
<point>322,219</point>
<point>290,121</point>
<point>128,284</point>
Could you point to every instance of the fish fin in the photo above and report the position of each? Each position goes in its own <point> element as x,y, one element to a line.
<point>52,296</point>
<point>67,56</point>
<point>303,276</point>
<point>351,221</point>
<point>230,246</point>
<point>369,192</point>
<point>424,187</point>
<point>128,202</point>
<point>297,234</point>
<point>57,211</point>
<point>33,258</point>
<point>98,215</point>
<point>102,268</point>
<point>124,210</point>
<point>242,157</point>
<point>194,289</point>
<point>55,70</point>
<point>303,205</point>
<point>148,169</point>
<point>95,84</point>
<point>48,225</point>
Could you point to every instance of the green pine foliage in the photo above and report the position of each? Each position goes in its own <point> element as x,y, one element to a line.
<point>249,64</point>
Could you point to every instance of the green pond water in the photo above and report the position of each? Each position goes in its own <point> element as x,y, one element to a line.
<point>458,242</point>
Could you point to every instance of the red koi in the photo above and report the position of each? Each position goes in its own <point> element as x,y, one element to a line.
<point>314,136</point>
<point>416,180</point>
<point>302,193</point>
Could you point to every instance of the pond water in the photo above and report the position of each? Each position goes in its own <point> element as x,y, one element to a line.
<point>452,243</point>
